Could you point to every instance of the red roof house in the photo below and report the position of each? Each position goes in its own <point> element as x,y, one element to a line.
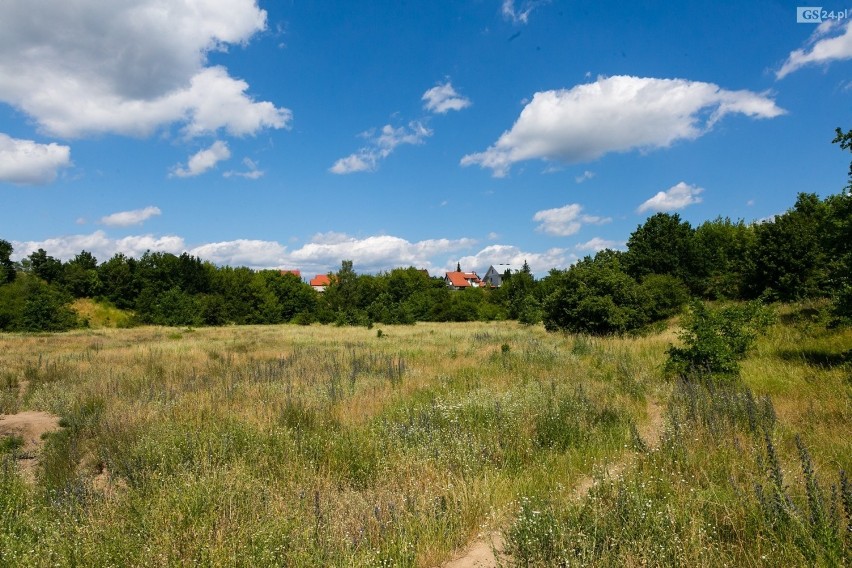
<point>319,282</point>
<point>461,280</point>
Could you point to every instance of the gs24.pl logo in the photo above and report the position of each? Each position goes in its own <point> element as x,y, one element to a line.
<point>817,15</point>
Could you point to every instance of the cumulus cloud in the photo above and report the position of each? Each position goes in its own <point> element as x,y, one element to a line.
<point>520,14</point>
<point>251,172</point>
<point>443,98</point>
<point>323,253</point>
<point>91,67</point>
<point>597,244</point>
<point>128,218</point>
<point>832,41</point>
<point>101,245</point>
<point>676,197</point>
<point>566,220</point>
<point>380,147</point>
<point>203,160</point>
<point>540,262</point>
<point>373,253</point>
<point>616,114</point>
<point>25,162</point>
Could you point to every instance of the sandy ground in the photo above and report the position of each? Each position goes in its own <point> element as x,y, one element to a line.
<point>31,426</point>
<point>480,553</point>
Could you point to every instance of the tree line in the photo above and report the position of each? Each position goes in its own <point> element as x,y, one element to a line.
<point>805,252</point>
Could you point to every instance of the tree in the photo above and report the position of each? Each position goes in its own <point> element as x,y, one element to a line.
<point>80,276</point>
<point>7,267</point>
<point>594,296</point>
<point>665,245</point>
<point>723,247</point>
<point>118,281</point>
<point>788,256</point>
<point>45,266</point>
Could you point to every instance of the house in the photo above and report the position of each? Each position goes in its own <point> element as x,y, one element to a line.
<point>494,276</point>
<point>296,273</point>
<point>319,282</point>
<point>461,280</point>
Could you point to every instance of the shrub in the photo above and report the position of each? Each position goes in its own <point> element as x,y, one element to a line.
<point>716,340</point>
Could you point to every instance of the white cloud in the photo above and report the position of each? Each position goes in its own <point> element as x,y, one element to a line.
<point>676,197</point>
<point>616,114</point>
<point>566,220</point>
<point>443,98</point>
<point>25,162</point>
<point>252,170</point>
<point>99,244</point>
<point>521,13</point>
<point>381,146</point>
<point>821,49</point>
<point>323,253</point>
<point>597,244</point>
<point>128,218</point>
<point>203,160</point>
<point>585,176</point>
<point>540,262</point>
<point>90,67</point>
<point>373,253</point>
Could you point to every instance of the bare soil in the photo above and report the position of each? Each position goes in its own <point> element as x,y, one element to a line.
<point>30,425</point>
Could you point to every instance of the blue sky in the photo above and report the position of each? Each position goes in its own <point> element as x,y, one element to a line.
<point>298,134</point>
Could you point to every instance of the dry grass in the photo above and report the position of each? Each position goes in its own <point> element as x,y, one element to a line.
<point>318,445</point>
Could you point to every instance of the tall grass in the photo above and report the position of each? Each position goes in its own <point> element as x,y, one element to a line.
<point>321,446</point>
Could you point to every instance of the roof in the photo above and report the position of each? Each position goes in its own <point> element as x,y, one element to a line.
<point>463,279</point>
<point>320,280</point>
<point>293,272</point>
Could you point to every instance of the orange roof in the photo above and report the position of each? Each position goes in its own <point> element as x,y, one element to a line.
<point>293,272</point>
<point>320,280</point>
<point>463,279</point>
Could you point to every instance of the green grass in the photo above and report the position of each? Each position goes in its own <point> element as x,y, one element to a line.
<point>323,446</point>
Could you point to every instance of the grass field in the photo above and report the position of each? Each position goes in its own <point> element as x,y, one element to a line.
<point>326,446</point>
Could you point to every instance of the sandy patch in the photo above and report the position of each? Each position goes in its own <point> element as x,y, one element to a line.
<point>30,425</point>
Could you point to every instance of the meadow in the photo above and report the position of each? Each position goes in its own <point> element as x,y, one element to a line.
<point>398,446</point>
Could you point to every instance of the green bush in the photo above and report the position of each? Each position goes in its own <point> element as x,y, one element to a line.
<point>714,341</point>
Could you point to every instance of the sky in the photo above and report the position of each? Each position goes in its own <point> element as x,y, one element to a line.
<point>296,134</point>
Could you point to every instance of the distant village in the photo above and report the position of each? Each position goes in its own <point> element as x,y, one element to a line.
<point>455,280</point>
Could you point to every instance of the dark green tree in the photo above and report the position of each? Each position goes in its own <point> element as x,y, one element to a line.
<point>788,256</point>
<point>665,244</point>
<point>118,281</point>
<point>594,296</point>
<point>45,266</point>
<point>80,276</point>
<point>7,267</point>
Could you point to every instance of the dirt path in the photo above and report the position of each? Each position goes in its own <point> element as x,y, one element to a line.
<point>480,554</point>
<point>30,426</point>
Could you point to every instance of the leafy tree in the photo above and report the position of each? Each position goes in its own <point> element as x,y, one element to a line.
<point>30,304</point>
<point>7,267</point>
<point>788,256</point>
<point>665,245</point>
<point>594,296</point>
<point>723,248</point>
<point>118,281</point>
<point>80,276</point>
<point>45,266</point>
<point>294,296</point>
